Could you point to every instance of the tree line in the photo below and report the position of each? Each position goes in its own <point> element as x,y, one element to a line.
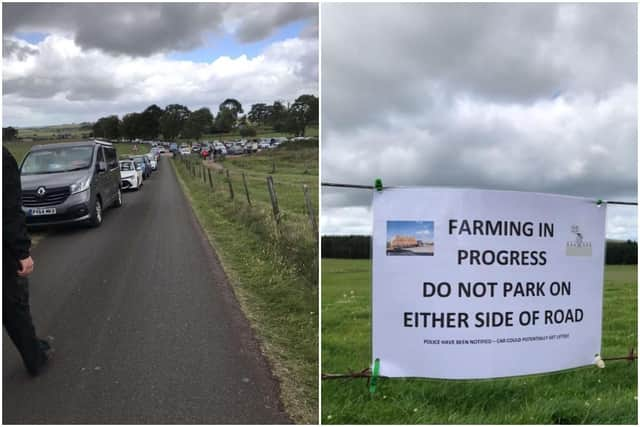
<point>176,120</point>
<point>359,247</point>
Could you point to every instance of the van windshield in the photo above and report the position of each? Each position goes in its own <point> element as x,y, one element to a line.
<point>57,159</point>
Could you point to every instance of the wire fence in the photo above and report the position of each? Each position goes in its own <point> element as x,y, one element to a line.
<point>292,201</point>
<point>283,213</point>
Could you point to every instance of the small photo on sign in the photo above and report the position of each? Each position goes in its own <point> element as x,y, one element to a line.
<point>410,238</point>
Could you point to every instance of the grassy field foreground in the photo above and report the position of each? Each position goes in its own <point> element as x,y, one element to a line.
<point>583,396</point>
<point>274,292</point>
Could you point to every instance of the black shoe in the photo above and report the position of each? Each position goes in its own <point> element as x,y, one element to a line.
<point>48,352</point>
<point>44,345</point>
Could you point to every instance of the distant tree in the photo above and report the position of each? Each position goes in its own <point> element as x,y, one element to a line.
<point>232,105</point>
<point>9,133</point>
<point>247,131</point>
<point>303,112</point>
<point>260,113</point>
<point>278,116</point>
<point>172,120</point>
<point>150,121</point>
<point>131,126</point>
<point>224,121</point>
<point>107,127</point>
<point>199,122</point>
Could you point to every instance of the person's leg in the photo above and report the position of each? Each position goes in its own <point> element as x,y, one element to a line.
<point>16,318</point>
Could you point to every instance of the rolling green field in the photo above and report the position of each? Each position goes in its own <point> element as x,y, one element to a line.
<point>582,396</point>
<point>72,130</point>
<point>273,271</point>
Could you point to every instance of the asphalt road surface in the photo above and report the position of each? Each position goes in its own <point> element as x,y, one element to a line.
<point>146,328</point>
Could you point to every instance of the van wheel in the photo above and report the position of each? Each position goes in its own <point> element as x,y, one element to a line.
<point>96,215</point>
<point>118,201</point>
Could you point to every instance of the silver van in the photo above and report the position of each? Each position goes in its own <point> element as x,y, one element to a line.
<point>70,182</point>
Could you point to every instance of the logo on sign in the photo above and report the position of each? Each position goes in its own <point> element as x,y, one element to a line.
<point>41,191</point>
<point>578,246</point>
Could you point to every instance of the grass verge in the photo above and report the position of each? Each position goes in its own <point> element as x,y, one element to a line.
<point>583,396</point>
<point>279,301</point>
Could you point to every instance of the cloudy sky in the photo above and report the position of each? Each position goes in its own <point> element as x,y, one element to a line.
<point>66,63</point>
<point>513,97</point>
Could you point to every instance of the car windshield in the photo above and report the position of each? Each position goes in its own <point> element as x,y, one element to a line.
<point>126,166</point>
<point>58,159</point>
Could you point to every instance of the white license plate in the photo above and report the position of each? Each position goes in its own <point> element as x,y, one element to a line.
<point>42,211</point>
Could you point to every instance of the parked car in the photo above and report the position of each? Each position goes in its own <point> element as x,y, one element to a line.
<point>251,147</point>
<point>143,162</point>
<point>173,148</point>
<point>220,150</point>
<point>153,161</point>
<point>195,148</point>
<point>130,175</point>
<point>236,149</point>
<point>185,150</point>
<point>70,183</point>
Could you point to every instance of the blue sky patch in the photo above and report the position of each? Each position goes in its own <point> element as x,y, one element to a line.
<point>32,37</point>
<point>216,46</point>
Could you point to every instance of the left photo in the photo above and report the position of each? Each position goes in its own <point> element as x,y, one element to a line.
<point>160,213</point>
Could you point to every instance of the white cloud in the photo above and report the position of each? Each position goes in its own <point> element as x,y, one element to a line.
<point>515,97</point>
<point>55,81</point>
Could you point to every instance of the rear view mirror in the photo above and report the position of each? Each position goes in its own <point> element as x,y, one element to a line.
<point>102,166</point>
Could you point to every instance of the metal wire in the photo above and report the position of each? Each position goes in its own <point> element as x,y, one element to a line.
<point>371,187</point>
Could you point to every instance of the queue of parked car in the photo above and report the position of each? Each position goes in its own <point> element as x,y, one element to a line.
<point>212,149</point>
<point>75,182</point>
<point>216,149</point>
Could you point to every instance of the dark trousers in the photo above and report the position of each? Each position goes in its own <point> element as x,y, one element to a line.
<point>16,318</point>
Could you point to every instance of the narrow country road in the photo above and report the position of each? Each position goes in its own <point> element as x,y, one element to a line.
<point>146,328</point>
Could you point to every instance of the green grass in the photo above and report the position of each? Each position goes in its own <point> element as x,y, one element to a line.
<point>294,167</point>
<point>587,395</point>
<point>275,290</point>
<point>52,132</point>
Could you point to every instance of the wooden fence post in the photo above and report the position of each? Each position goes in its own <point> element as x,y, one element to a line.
<point>246,189</point>
<point>312,216</point>
<point>274,199</point>
<point>210,180</point>
<point>230,186</point>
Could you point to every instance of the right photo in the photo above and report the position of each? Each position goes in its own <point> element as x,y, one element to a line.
<point>479,213</point>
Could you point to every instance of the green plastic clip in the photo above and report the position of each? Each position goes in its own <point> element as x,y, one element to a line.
<point>378,184</point>
<point>599,202</point>
<point>374,376</point>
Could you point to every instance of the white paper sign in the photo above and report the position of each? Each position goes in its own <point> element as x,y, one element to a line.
<point>485,284</point>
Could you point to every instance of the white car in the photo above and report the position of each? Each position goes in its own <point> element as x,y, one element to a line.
<point>185,149</point>
<point>130,177</point>
<point>153,161</point>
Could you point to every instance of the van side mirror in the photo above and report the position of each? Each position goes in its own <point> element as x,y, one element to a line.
<point>102,166</point>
